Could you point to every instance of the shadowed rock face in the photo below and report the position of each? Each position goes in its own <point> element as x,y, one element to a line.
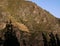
<point>29,20</point>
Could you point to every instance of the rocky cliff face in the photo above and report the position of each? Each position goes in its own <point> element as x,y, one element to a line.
<point>28,18</point>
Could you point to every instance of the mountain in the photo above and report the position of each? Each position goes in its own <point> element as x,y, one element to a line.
<point>29,18</point>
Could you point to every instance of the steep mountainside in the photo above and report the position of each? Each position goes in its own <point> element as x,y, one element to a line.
<point>29,18</point>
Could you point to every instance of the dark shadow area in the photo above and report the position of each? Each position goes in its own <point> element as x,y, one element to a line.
<point>1,41</point>
<point>57,40</point>
<point>10,40</point>
<point>44,40</point>
<point>52,41</point>
<point>10,37</point>
<point>24,43</point>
